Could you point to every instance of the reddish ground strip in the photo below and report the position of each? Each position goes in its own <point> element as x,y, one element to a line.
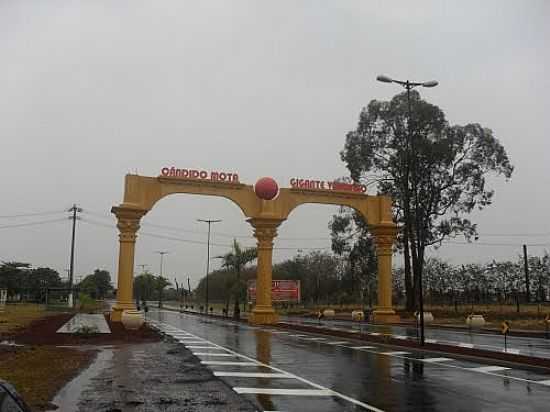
<point>44,332</point>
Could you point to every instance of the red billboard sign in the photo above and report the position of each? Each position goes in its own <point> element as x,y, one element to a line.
<point>281,291</point>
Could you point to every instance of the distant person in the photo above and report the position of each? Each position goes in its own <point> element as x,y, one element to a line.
<point>320,316</point>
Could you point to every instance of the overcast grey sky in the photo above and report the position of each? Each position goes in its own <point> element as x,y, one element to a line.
<point>90,90</point>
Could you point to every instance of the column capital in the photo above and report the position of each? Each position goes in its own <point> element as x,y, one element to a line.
<point>384,237</point>
<point>265,229</point>
<point>128,222</point>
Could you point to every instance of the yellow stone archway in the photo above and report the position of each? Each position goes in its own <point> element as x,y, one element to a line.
<point>141,193</point>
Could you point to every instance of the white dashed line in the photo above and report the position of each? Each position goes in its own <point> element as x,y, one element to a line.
<point>466,345</point>
<point>339,342</point>
<point>362,347</point>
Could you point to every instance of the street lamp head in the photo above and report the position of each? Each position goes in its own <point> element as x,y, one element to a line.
<point>384,79</point>
<point>431,83</point>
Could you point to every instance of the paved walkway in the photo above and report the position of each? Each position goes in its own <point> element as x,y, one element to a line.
<point>95,321</point>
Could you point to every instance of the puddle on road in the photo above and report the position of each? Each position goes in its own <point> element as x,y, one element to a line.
<point>67,398</point>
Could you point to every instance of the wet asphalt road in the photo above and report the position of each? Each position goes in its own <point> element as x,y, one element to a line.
<point>538,347</point>
<point>287,371</point>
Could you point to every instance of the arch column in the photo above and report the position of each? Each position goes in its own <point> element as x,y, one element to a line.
<point>128,225</point>
<point>384,236</point>
<point>265,230</point>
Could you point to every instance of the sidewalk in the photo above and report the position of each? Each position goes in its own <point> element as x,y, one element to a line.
<point>152,377</point>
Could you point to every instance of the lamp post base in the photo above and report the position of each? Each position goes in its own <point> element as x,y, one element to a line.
<point>118,308</point>
<point>263,316</point>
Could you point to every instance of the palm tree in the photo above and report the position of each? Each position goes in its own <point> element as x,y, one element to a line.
<point>235,261</point>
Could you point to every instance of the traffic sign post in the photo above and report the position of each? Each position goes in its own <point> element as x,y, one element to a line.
<point>505,329</point>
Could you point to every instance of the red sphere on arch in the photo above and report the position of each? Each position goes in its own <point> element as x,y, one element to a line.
<point>266,188</point>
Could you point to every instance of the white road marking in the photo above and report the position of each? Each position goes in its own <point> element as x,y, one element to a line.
<point>489,368</point>
<point>291,392</point>
<point>315,339</point>
<point>223,363</point>
<point>338,342</point>
<point>435,360</point>
<point>546,382</point>
<point>374,333</point>
<point>466,345</point>
<point>512,351</point>
<point>193,342</point>
<point>396,353</point>
<point>333,393</point>
<point>400,337</point>
<point>362,347</point>
<point>252,375</point>
<point>298,336</point>
<point>430,340</point>
<point>279,332</point>
<point>201,347</point>
<point>227,355</point>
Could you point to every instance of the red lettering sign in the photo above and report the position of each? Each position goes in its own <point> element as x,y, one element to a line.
<point>200,175</point>
<point>311,184</point>
<point>281,291</point>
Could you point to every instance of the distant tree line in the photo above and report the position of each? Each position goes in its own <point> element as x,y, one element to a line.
<point>330,278</point>
<point>503,282</point>
<point>27,284</point>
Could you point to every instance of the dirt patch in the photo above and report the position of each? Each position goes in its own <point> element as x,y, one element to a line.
<point>44,332</point>
<point>30,371</point>
<point>17,316</point>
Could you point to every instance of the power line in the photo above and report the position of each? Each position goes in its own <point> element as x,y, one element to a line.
<point>33,214</point>
<point>195,242</point>
<point>198,232</point>
<point>42,222</point>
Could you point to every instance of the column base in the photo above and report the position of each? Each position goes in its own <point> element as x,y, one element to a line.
<point>118,308</point>
<point>263,316</point>
<point>385,316</point>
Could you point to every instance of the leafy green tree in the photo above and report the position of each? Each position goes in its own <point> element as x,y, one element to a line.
<point>144,286</point>
<point>436,173</point>
<point>11,277</point>
<point>234,261</point>
<point>352,241</point>
<point>159,284</point>
<point>97,285</point>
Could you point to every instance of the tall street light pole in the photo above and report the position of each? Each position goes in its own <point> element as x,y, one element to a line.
<point>162,253</point>
<point>408,85</point>
<point>209,221</point>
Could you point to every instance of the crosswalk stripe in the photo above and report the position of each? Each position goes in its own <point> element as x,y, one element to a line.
<point>222,363</point>
<point>396,353</point>
<point>291,392</point>
<point>434,360</point>
<point>252,375</point>
<point>489,369</point>
<point>227,355</point>
<point>202,347</point>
